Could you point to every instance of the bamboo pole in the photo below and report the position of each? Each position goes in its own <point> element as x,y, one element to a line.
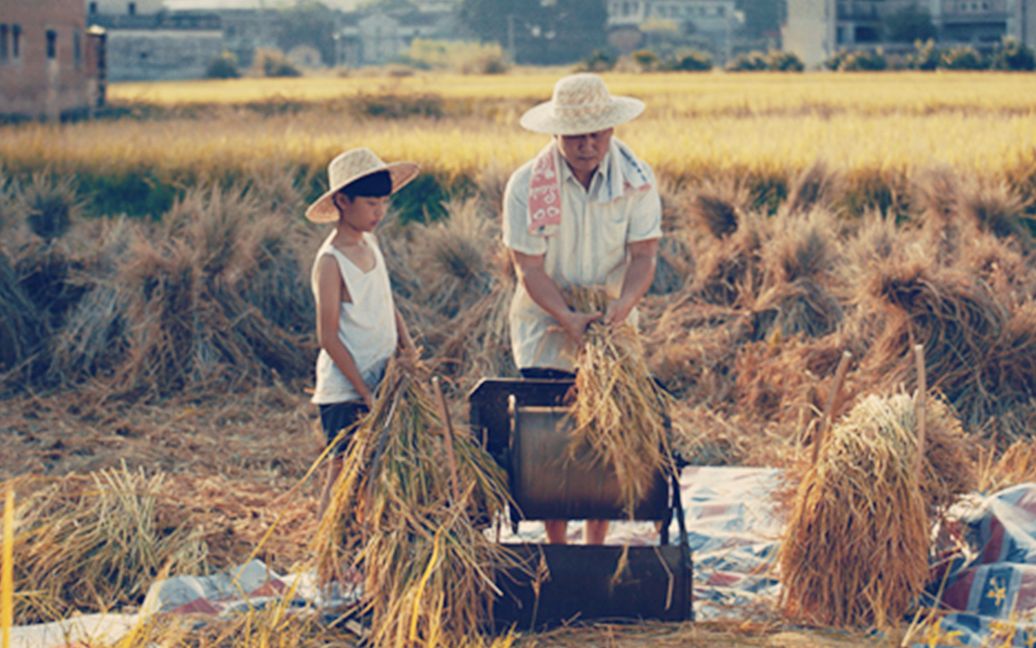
<point>832,402</point>
<point>448,439</point>
<point>920,402</point>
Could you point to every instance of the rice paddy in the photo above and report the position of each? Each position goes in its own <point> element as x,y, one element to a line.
<point>154,369</point>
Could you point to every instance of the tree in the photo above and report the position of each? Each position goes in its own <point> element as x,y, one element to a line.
<point>538,31</point>
<point>909,24</point>
<point>309,22</point>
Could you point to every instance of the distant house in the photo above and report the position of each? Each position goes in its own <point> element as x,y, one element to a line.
<point>704,23</point>
<point>147,42</point>
<point>816,29</point>
<point>50,65</point>
<point>376,36</point>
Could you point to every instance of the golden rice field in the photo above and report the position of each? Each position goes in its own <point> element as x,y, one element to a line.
<point>767,125</point>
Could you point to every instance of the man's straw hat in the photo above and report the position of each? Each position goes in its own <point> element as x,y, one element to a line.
<point>581,104</point>
<point>350,166</point>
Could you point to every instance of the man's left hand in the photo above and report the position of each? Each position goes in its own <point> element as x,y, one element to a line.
<point>617,312</point>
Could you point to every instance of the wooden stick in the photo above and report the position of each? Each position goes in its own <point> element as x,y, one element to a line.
<point>832,402</point>
<point>920,406</point>
<point>448,440</point>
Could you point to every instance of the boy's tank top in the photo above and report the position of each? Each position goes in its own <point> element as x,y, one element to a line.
<point>366,326</point>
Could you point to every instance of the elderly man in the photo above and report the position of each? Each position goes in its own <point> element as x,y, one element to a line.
<point>584,212</point>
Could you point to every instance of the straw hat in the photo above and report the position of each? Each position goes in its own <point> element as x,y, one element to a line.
<point>350,166</point>
<point>581,104</point>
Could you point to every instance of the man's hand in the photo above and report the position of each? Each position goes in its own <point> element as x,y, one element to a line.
<point>574,324</point>
<point>617,311</point>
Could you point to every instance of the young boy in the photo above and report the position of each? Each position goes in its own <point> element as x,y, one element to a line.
<point>358,326</point>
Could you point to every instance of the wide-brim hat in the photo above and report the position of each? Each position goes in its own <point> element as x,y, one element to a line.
<point>581,104</point>
<point>349,167</point>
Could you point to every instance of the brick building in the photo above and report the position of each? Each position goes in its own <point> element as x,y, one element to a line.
<point>49,61</point>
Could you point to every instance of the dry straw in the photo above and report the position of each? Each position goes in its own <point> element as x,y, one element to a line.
<point>855,551</point>
<point>979,354</point>
<point>93,543</point>
<point>428,565</point>
<point>619,410</point>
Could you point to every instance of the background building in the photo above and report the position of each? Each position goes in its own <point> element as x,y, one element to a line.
<point>816,29</point>
<point>704,24</point>
<point>49,63</point>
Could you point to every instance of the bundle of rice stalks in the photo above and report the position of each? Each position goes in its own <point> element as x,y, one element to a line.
<point>196,295</point>
<point>786,381</point>
<point>729,269</point>
<point>92,543</point>
<point>48,202</point>
<point>1008,272</point>
<point>619,410</point>
<point>998,208</point>
<point>799,307</point>
<point>408,509</point>
<point>20,322</point>
<point>477,343</point>
<point>1016,465</point>
<point>973,357</point>
<point>692,347</point>
<point>855,551</point>
<point>817,187</point>
<point>455,257</point>
<point>92,337</point>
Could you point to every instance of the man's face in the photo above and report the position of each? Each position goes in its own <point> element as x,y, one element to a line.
<point>585,152</point>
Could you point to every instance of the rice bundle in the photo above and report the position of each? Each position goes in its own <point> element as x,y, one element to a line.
<point>92,543</point>
<point>977,355</point>
<point>20,322</point>
<point>428,566</point>
<point>855,551</point>
<point>619,410</point>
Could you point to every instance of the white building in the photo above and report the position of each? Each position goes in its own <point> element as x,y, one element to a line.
<point>816,29</point>
<point>713,21</point>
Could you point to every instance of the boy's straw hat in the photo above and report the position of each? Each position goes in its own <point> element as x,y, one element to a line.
<point>350,166</point>
<point>581,104</point>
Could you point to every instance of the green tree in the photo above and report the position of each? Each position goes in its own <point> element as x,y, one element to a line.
<point>909,24</point>
<point>540,31</point>
<point>309,22</point>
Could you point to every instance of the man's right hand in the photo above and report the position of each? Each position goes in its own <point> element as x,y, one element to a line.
<point>574,324</point>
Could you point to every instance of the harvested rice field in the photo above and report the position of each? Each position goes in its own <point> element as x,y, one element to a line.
<point>157,342</point>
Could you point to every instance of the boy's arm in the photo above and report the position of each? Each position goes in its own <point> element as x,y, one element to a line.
<point>329,296</point>
<point>635,283</point>
<point>542,289</point>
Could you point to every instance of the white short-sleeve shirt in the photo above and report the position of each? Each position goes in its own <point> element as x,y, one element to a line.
<point>589,249</point>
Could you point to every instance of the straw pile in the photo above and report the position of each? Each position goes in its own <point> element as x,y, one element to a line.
<point>619,410</point>
<point>855,551</point>
<point>92,543</point>
<point>19,320</point>
<point>978,354</point>
<point>409,512</point>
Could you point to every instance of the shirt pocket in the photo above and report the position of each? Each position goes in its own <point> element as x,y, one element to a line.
<point>614,226</point>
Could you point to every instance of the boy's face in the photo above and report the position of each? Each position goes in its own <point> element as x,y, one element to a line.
<point>585,152</point>
<point>362,213</point>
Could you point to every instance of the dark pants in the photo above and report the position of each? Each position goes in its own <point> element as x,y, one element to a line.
<point>540,373</point>
<point>336,417</point>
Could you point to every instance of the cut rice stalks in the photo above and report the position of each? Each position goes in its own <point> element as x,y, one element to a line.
<point>855,551</point>
<point>428,565</point>
<point>619,410</point>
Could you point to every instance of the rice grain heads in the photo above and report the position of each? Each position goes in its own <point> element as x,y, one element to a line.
<point>428,566</point>
<point>855,551</point>
<point>619,410</point>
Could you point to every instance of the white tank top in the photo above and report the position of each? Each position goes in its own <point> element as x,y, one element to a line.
<point>366,326</point>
